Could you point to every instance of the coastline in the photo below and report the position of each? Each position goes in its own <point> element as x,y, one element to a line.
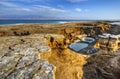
<point>18,22</point>
<point>44,28</point>
<point>29,22</point>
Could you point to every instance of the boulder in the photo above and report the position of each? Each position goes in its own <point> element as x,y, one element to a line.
<point>102,66</point>
<point>57,41</point>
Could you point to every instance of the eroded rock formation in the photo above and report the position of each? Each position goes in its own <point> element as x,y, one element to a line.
<point>34,57</point>
<point>92,30</point>
<point>68,63</point>
<point>19,58</point>
<point>109,43</point>
<point>71,29</point>
<point>103,66</point>
<point>58,41</point>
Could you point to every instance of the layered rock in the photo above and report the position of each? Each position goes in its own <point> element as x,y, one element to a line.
<point>109,42</point>
<point>19,58</point>
<point>57,41</point>
<point>92,30</point>
<point>71,32</point>
<point>102,66</point>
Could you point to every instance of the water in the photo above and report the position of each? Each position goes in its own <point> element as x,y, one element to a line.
<point>78,46</point>
<point>17,22</point>
<point>117,23</point>
<point>88,40</point>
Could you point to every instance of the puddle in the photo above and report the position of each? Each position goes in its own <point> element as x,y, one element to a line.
<point>88,40</point>
<point>84,46</point>
<point>78,46</point>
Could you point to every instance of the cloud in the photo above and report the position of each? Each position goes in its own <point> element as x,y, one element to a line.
<point>7,4</point>
<point>52,9</point>
<point>73,1</point>
<point>23,9</point>
<point>82,10</point>
<point>24,0</point>
<point>16,9</point>
<point>78,9</point>
<point>41,8</point>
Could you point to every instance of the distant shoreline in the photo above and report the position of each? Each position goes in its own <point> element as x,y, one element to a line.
<point>21,22</point>
<point>31,22</point>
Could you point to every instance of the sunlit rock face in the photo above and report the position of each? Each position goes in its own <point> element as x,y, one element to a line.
<point>71,33</point>
<point>108,42</point>
<point>57,41</point>
<point>19,58</point>
<point>113,44</point>
<point>83,30</point>
<point>66,61</point>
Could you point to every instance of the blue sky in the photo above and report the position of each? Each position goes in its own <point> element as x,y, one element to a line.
<point>60,9</point>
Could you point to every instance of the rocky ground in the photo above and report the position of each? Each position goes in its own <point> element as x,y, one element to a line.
<point>19,58</point>
<point>104,65</point>
<point>41,52</point>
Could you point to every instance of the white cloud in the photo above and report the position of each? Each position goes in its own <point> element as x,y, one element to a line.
<point>73,1</point>
<point>23,9</point>
<point>25,0</point>
<point>14,6</point>
<point>78,9</point>
<point>52,9</point>
<point>7,4</point>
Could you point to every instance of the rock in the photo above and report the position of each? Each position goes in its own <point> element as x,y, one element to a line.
<point>102,66</point>
<point>69,30</point>
<point>7,65</point>
<point>19,58</point>
<point>68,63</point>
<point>108,42</point>
<point>38,69</point>
<point>57,41</point>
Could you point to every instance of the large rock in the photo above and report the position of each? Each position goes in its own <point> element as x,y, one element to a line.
<point>19,58</point>
<point>103,66</point>
<point>57,41</point>
<point>110,43</point>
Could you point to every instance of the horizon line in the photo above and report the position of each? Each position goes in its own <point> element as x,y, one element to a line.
<point>51,19</point>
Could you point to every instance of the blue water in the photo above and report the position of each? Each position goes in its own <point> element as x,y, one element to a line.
<point>10,22</point>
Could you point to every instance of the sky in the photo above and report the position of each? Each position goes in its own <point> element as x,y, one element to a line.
<point>60,9</point>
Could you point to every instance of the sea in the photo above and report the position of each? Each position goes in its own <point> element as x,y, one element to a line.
<point>19,22</point>
<point>117,23</point>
